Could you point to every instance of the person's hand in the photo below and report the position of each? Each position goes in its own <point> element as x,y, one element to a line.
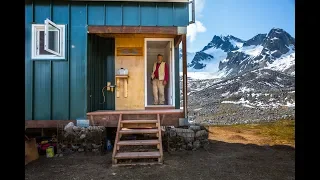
<point>164,82</point>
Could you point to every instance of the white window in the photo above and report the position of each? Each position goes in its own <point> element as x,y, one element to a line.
<point>48,41</point>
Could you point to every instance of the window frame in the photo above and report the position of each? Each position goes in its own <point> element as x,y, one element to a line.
<point>35,41</point>
<point>46,37</point>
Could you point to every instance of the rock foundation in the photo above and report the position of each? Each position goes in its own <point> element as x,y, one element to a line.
<point>74,138</point>
<point>191,138</point>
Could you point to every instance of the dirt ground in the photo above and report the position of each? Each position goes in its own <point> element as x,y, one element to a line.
<point>238,157</point>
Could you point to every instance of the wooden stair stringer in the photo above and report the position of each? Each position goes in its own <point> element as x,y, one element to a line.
<point>160,160</point>
<point>114,161</point>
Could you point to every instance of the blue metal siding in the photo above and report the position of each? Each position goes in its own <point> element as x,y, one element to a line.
<point>60,90</point>
<point>131,14</point>
<point>28,64</point>
<point>42,90</point>
<point>180,14</point>
<point>113,14</point>
<point>96,10</point>
<point>138,14</point>
<point>57,89</point>
<point>165,14</point>
<point>78,60</point>
<point>147,10</point>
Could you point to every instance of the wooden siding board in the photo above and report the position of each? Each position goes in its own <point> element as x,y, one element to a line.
<point>181,14</point>
<point>28,63</point>
<point>114,14</point>
<point>60,12</point>
<point>41,11</point>
<point>96,13</point>
<point>148,14</point>
<point>60,90</point>
<point>165,14</point>
<point>42,90</point>
<point>131,13</point>
<point>78,60</point>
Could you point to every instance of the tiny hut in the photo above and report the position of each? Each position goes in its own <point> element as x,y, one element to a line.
<point>75,50</point>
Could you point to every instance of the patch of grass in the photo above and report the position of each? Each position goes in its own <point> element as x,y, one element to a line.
<point>280,131</point>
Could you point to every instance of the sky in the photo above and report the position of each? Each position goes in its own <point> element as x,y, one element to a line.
<point>240,18</point>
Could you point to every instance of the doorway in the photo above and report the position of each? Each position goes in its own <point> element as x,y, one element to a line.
<point>100,70</point>
<point>153,47</point>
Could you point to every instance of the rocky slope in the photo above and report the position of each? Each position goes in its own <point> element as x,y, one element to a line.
<point>259,95</point>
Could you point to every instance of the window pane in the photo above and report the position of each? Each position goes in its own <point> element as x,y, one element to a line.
<point>54,41</point>
<point>41,45</point>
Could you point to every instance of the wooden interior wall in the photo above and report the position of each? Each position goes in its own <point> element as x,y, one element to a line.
<point>135,66</point>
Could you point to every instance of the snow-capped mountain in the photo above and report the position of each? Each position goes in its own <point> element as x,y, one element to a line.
<point>211,55</point>
<point>235,81</point>
<point>228,56</point>
<point>190,56</point>
<point>277,48</point>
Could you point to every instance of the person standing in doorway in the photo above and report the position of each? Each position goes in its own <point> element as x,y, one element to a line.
<point>159,79</point>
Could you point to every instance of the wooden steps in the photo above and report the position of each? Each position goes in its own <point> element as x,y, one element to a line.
<point>132,127</point>
<point>137,155</point>
<point>138,142</point>
<point>138,121</point>
<point>138,131</point>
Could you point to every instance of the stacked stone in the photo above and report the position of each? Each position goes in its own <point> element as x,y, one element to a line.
<point>193,138</point>
<point>82,138</point>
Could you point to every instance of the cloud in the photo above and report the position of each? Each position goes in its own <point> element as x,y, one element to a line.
<point>197,27</point>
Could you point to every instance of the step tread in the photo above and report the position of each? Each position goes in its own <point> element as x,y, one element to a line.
<point>137,163</point>
<point>139,121</point>
<point>132,131</point>
<point>139,142</point>
<point>137,155</point>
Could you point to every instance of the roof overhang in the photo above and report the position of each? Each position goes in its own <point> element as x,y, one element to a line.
<point>137,30</point>
<point>184,1</point>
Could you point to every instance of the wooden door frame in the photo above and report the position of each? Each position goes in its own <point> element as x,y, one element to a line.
<point>172,74</point>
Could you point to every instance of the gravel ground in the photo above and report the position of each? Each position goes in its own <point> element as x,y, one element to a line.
<point>220,161</point>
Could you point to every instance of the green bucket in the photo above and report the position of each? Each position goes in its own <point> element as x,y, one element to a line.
<point>50,152</point>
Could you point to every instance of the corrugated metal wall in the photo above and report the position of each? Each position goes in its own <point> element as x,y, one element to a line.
<point>100,71</point>
<point>57,89</point>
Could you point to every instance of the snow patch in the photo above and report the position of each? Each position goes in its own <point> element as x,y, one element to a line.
<point>284,62</point>
<point>225,94</point>
<point>236,43</point>
<point>251,50</point>
<point>243,102</point>
<point>198,109</point>
<point>290,104</point>
<point>201,75</point>
<point>260,104</point>
<point>245,89</point>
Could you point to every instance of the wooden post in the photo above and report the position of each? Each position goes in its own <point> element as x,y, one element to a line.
<point>184,73</point>
<point>118,87</point>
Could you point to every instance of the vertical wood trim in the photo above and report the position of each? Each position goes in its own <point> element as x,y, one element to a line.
<point>185,76</point>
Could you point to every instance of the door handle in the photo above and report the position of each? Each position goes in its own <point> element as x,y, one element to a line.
<point>110,87</point>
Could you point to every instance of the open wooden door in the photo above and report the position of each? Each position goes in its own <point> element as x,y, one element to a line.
<point>101,70</point>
